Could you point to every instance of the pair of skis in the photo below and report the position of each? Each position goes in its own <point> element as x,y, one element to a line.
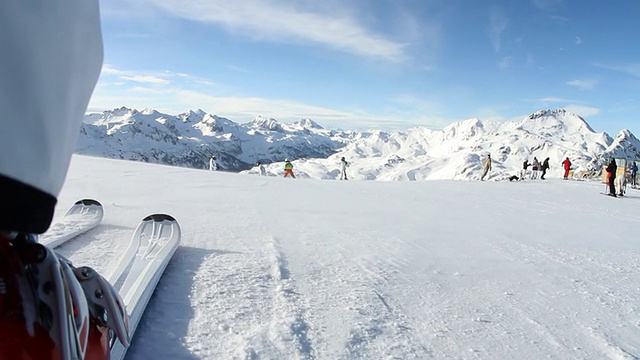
<point>139,269</point>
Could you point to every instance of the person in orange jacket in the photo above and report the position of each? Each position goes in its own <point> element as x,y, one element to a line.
<point>288,168</point>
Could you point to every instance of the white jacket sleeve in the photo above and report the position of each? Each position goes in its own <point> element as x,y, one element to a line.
<point>50,60</point>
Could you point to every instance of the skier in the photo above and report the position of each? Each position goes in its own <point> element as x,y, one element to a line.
<point>611,176</point>
<point>634,170</point>
<point>535,165</point>
<point>544,168</point>
<point>567,166</point>
<point>49,309</point>
<point>288,168</point>
<point>263,171</point>
<point>213,166</point>
<point>343,168</point>
<point>486,167</point>
<point>523,172</point>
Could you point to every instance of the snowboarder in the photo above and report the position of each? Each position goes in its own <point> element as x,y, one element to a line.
<point>213,166</point>
<point>611,176</point>
<point>343,168</point>
<point>263,171</point>
<point>544,168</point>
<point>567,166</point>
<point>288,168</point>
<point>535,166</point>
<point>486,167</point>
<point>523,172</point>
<point>50,68</point>
<point>634,170</point>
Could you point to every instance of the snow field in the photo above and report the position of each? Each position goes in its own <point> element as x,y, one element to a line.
<point>273,268</point>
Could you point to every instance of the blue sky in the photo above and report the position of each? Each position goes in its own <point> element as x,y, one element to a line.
<point>386,64</point>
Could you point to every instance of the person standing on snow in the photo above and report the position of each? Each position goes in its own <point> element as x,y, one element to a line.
<point>343,168</point>
<point>523,172</point>
<point>544,168</point>
<point>567,166</point>
<point>535,166</point>
<point>486,167</point>
<point>213,166</point>
<point>263,171</point>
<point>634,170</point>
<point>288,168</point>
<point>49,65</point>
<point>612,168</point>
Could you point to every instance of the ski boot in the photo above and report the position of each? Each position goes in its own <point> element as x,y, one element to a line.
<point>51,310</point>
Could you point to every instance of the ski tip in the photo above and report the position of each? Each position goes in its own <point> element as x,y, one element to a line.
<point>88,202</point>
<point>159,218</point>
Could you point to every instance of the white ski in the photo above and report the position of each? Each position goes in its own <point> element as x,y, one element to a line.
<point>151,247</point>
<point>83,216</point>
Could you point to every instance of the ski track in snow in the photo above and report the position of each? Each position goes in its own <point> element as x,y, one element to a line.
<point>251,327</point>
<point>569,277</point>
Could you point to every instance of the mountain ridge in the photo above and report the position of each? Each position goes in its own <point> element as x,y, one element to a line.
<point>455,152</point>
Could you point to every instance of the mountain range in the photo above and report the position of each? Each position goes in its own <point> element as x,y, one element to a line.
<point>454,152</point>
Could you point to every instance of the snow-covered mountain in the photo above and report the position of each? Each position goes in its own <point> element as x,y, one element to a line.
<point>455,152</point>
<point>189,139</point>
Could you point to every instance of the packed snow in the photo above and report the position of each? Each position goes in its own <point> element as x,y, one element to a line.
<point>274,268</point>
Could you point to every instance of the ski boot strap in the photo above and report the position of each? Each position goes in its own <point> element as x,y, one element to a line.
<point>105,304</point>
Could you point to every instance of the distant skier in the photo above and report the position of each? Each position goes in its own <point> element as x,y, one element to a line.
<point>535,166</point>
<point>634,170</point>
<point>288,168</point>
<point>263,171</point>
<point>213,166</point>
<point>612,168</point>
<point>486,167</point>
<point>523,172</point>
<point>567,166</point>
<point>343,168</point>
<point>544,168</point>
<point>49,67</point>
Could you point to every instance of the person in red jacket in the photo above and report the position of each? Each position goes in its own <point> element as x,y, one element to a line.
<point>567,166</point>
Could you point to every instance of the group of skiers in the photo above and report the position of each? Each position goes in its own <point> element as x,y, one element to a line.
<point>612,170</point>
<point>288,168</point>
<point>538,170</point>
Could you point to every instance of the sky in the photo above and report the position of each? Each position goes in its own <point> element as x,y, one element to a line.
<point>274,268</point>
<point>383,64</point>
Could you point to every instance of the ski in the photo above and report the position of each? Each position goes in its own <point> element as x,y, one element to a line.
<point>613,196</point>
<point>150,249</point>
<point>81,217</point>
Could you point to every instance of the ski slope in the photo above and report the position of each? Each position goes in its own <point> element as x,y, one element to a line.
<point>272,268</point>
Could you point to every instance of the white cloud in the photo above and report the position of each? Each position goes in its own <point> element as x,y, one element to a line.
<point>279,20</point>
<point>584,111</point>
<point>506,62</point>
<point>125,77</point>
<point>174,100</point>
<point>499,24</point>
<point>547,5</point>
<point>550,100</point>
<point>144,79</point>
<point>584,84</point>
<point>632,69</point>
<point>578,40</point>
<point>108,69</point>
